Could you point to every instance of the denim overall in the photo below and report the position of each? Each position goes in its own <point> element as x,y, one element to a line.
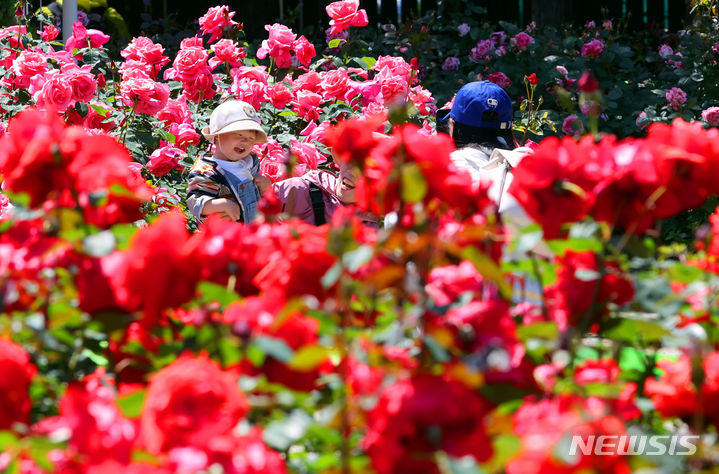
<point>245,192</point>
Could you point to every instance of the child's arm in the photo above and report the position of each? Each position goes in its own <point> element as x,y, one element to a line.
<point>225,208</point>
<point>262,184</point>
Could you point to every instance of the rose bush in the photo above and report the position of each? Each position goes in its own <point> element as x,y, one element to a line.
<point>441,343</point>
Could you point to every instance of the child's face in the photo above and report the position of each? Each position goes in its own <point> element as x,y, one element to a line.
<point>346,183</point>
<point>234,146</point>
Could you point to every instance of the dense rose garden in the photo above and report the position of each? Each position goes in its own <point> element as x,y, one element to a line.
<point>131,342</point>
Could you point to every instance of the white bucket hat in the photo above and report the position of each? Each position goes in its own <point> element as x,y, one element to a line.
<point>233,116</point>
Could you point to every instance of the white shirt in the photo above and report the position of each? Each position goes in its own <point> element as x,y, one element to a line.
<point>240,168</point>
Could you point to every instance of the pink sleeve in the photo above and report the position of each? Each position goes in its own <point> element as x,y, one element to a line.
<point>294,195</point>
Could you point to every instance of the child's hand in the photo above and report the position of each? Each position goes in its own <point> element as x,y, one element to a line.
<point>262,183</point>
<point>225,208</point>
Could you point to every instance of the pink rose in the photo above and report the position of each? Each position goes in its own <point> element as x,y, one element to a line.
<point>715,48</point>
<point>306,104</point>
<point>192,42</point>
<point>29,64</point>
<point>84,38</point>
<point>304,50</point>
<point>665,51</point>
<point>215,20</point>
<point>676,97</point>
<point>279,95</point>
<point>376,109</point>
<point>175,111</point>
<point>451,64</point>
<point>313,132</point>
<point>255,73</point>
<point>227,52</point>
<point>51,91</point>
<point>185,135</point>
<point>522,41</point>
<point>97,120</point>
<point>423,100</point>
<point>81,80</point>
<point>278,45</point>
<point>345,14</point>
<point>334,83</point>
<point>309,81</point>
<point>498,37</point>
<point>49,33</point>
<point>202,87</point>
<point>479,53</point>
<point>395,65</point>
<point>252,92</point>
<point>144,51</point>
<point>394,90</point>
<point>500,79</point>
<point>308,156</point>
<point>592,49</point>
<point>572,125</point>
<point>711,116</point>
<point>190,63</point>
<point>147,96</point>
<point>165,159</point>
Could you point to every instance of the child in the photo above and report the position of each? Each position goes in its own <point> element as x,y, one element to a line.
<point>228,183</point>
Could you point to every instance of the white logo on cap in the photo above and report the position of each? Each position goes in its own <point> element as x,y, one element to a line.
<point>492,102</point>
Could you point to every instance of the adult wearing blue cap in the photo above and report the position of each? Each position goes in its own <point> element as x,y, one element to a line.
<point>481,117</point>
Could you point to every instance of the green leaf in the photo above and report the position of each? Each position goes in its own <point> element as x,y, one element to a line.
<point>98,359</point>
<point>354,259</point>
<point>487,268</point>
<point>167,136</point>
<point>81,108</point>
<point>633,330</point>
<point>212,292</point>
<point>332,275</point>
<point>559,247</point>
<point>414,186</point>
<point>7,439</point>
<point>281,434</point>
<point>684,273</point>
<point>308,358</point>
<point>100,109</point>
<point>439,353</point>
<point>540,330</point>
<point>335,42</point>
<point>276,348</point>
<point>131,405</point>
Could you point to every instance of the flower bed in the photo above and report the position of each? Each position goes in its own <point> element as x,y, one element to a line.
<point>436,345</point>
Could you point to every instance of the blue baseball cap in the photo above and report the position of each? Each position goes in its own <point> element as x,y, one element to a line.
<point>475,98</point>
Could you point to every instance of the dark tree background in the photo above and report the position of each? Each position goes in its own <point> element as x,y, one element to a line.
<point>305,16</point>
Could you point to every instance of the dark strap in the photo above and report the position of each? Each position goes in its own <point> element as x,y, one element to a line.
<point>318,204</point>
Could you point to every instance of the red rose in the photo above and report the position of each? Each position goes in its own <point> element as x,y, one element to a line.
<point>587,83</point>
<point>16,372</point>
<point>415,417</point>
<point>191,402</point>
<point>532,79</point>
<point>99,431</point>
